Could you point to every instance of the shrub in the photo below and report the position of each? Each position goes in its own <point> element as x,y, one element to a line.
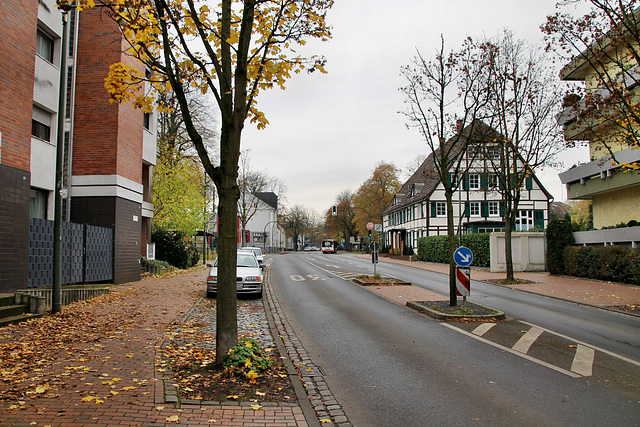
<point>559,236</point>
<point>174,247</point>
<point>611,263</point>
<point>246,360</point>
<point>436,248</point>
<point>154,266</point>
<point>407,250</point>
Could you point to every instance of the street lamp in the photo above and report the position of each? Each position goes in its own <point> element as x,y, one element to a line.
<point>56,297</point>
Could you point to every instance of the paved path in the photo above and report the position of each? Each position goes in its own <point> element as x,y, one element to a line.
<point>98,363</point>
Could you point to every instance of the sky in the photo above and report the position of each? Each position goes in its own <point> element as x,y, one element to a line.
<point>327,132</point>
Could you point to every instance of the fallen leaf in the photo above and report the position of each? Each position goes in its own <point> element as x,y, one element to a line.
<point>232,397</point>
<point>256,407</point>
<point>324,421</point>
<point>173,419</point>
<point>88,399</point>
<point>259,393</point>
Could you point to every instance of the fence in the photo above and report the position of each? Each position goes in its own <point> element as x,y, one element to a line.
<point>68,295</point>
<point>87,253</point>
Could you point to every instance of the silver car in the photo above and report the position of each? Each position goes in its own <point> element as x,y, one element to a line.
<point>257,252</point>
<point>249,277</point>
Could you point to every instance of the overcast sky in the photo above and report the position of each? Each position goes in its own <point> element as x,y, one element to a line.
<point>328,131</point>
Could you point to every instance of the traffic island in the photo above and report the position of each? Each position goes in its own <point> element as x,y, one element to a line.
<point>441,310</point>
<point>365,280</point>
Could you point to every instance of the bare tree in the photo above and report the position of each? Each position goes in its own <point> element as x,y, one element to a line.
<point>604,46</point>
<point>251,184</point>
<point>523,109</point>
<point>444,96</point>
<point>296,221</point>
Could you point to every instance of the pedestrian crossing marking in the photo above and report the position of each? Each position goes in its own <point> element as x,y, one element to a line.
<point>483,328</point>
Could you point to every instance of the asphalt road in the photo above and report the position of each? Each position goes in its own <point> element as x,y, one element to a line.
<point>390,366</point>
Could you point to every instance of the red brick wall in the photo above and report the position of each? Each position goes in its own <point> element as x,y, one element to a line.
<point>107,137</point>
<point>18,24</point>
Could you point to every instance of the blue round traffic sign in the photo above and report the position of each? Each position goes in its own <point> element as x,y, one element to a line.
<point>463,256</point>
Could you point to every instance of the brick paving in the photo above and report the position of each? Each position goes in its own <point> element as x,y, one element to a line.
<point>107,370</point>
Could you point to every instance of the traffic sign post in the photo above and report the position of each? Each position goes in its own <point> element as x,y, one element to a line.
<point>463,256</point>
<point>463,282</point>
<point>374,246</point>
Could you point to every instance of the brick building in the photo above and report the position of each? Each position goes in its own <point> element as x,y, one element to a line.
<point>110,148</point>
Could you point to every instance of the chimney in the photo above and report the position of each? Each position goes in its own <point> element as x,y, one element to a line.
<point>458,126</point>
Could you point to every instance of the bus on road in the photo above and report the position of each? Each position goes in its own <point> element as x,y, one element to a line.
<point>329,246</point>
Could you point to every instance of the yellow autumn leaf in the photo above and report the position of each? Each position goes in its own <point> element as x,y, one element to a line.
<point>232,397</point>
<point>259,393</point>
<point>99,401</point>
<point>88,398</point>
<point>173,419</point>
<point>256,407</point>
<point>324,421</point>
<point>159,408</point>
<point>130,387</point>
<point>115,393</point>
<point>13,407</point>
<point>42,388</point>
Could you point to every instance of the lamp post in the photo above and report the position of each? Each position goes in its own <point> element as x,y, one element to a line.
<point>56,305</point>
<point>264,239</point>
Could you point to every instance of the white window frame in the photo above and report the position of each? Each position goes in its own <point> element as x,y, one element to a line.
<point>524,220</point>
<point>474,181</point>
<point>474,209</point>
<point>492,181</point>
<point>441,209</point>
<point>493,208</point>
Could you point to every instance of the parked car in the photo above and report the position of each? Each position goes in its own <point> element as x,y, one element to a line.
<point>249,277</point>
<point>257,252</point>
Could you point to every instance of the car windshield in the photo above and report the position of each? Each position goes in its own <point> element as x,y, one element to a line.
<point>244,260</point>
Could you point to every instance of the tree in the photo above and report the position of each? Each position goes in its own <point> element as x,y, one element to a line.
<point>523,108</point>
<point>179,194</point>
<point>375,194</point>
<point>343,223</point>
<point>296,221</point>
<point>606,40</point>
<point>581,215</point>
<point>233,50</point>
<point>444,96</point>
<point>251,184</point>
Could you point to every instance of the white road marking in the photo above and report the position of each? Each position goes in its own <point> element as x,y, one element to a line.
<point>517,353</point>
<point>525,341</point>
<point>610,353</point>
<point>583,360</point>
<point>483,328</point>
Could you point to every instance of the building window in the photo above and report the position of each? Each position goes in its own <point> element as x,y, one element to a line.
<point>441,209</point>
<point>474,182</point>
<point>41,124</point>
<point>493,208</point>
<point>474,209</point>
<point>493,181</point>
<point>38,204</point>
<point>524,220</point>
<point>147,121</point>
<point>44,46</point>
<point>493,153</point>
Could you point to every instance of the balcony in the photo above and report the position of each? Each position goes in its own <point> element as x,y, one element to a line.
<point>600,175</point>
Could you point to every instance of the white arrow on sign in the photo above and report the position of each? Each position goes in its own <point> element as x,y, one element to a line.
<point>465,258</point>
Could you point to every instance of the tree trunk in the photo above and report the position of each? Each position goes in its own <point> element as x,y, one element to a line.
<point>453,298</point>
<point>226,304</point>
<point>508,252</point>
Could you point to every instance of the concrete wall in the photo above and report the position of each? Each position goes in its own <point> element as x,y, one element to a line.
<point>528,250</point>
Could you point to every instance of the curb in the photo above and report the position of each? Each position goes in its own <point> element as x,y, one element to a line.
<point>417,305</point>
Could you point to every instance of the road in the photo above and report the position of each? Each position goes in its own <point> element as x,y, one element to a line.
<point>388,365</point>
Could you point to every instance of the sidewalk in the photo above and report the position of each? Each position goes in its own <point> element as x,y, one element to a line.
<point>584,291</point>
<point>99,364</point>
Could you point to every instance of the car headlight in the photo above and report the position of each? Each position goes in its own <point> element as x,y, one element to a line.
<point>253,279</point>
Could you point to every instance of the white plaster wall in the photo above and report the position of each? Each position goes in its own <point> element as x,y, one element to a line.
<point>528,252</point>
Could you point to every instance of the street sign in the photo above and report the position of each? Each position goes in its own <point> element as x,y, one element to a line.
<point>378,228</point>
<point>463,256</point>
<point>374,246</point>
<point>374,257</point>
<point>369,226</point>
<point>463,281</point>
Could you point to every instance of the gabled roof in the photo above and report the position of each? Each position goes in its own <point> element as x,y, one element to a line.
<point>269,197</point>
<point>427,175</point>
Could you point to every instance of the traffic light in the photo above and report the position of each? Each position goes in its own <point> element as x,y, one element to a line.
<point>369,233</point>
<point>334,210</point>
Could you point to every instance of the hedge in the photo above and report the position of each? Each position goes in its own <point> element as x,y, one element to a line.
<point>610,263</point>
<point>436,248</point>
<point>174,247</point>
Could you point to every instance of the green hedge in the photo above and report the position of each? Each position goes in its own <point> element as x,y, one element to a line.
<point>175,248</point>
<point>436,248</point>
<point>559,236</point>
<point>610,263</point>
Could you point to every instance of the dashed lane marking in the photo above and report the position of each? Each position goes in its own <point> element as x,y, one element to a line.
<point>524,343</point>
<point>583,360</point>
<point>483,328</point>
